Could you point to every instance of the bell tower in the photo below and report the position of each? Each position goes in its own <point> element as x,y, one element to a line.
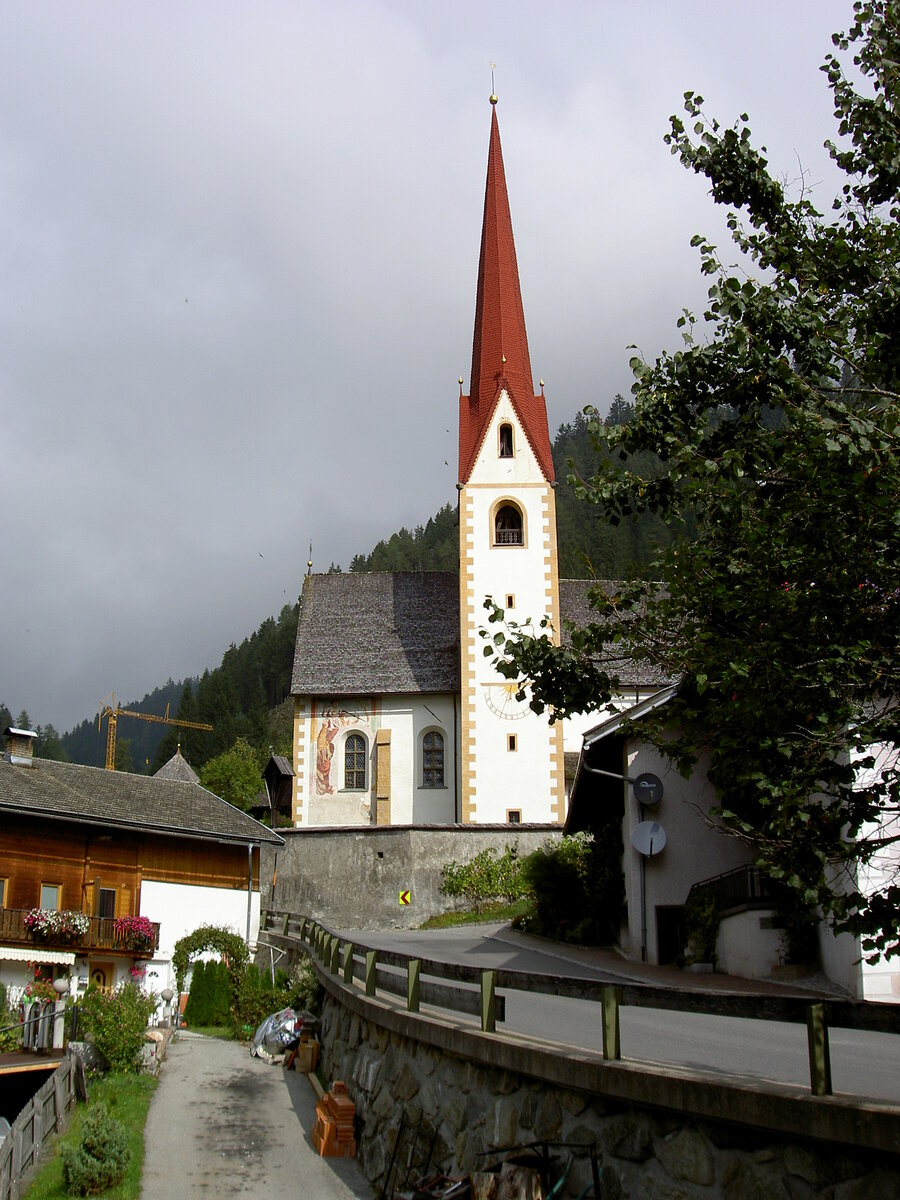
<point>512,759</point>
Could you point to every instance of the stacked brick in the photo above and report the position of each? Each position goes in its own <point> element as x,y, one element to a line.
<point>333,1134</point>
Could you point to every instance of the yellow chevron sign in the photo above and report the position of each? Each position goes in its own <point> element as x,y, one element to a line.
<point>404,897</point>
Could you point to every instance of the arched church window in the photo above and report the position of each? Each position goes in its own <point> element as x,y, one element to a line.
<point>508,526</point>
<point>355,762</point>
<point>506,441</point>
<point>433,760</point>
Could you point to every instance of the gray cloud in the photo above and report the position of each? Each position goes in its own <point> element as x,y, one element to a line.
<point>239,244</point>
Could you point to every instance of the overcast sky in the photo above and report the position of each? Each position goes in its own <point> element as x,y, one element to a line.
<point>238,251</point>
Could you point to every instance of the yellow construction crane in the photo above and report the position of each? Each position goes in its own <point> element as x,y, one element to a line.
<point>112,712</point>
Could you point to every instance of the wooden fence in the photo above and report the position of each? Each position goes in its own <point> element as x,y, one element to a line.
<point>45,1114</point>
<point>474,991</point>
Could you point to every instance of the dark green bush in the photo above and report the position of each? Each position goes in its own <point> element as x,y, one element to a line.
<point>577,889</point>
<point>99,1159</point>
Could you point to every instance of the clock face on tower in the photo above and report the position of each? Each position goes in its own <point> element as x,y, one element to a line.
<point>501,700</point>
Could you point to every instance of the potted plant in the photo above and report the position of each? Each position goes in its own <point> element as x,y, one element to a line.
<point>47,924</point>
<point>135,933</point>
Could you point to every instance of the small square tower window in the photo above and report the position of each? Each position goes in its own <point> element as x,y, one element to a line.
<point>511,742</point>
<point>514,816</point>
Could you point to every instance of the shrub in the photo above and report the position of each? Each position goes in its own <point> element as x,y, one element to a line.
<point>485,877</point>
<point>99,1159</point>
<point>117,1023</point>
<point>577,889</point>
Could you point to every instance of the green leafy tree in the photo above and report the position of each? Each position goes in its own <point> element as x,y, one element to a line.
<point>235,775</point>
<point>778,432</point>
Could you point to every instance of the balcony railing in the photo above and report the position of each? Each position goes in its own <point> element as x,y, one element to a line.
<point>741,889</point>
<point>100,936</point>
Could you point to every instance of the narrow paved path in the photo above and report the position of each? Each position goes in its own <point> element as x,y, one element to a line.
<point>224,1124</point>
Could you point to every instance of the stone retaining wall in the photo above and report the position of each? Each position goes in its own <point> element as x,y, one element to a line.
<point>646,1154</point>
<point>352,877</point>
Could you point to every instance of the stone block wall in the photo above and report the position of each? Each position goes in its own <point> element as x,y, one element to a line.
<point>352,877</point>
<point>646,1153</point>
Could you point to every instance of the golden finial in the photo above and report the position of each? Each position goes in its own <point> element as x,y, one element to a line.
<point>460,381</point>
<point>309,561</point>
<point>493,94</point>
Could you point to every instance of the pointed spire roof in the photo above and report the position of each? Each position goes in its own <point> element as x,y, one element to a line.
<point>500,356</point>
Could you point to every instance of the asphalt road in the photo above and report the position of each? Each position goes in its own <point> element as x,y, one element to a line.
<point>864,1065</point>
<point>224,1124</point>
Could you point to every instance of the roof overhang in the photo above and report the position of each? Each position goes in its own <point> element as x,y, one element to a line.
<point>143,827</point>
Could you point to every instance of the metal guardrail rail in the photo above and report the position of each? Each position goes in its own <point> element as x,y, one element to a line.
<point>472,990</point>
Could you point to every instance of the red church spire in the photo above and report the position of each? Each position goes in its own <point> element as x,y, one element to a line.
<point>500,350</point>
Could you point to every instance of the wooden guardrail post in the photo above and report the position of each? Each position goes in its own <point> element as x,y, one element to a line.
<point>371,961</point>
<point>413,971</point>
<point>488,1001</point>
<point>286,924</point>
<point>609,1002</point>
<point>819,1051</point>
<point>348,962</point>
<point>334,955</point>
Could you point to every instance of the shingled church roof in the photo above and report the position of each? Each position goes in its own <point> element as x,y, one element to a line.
<point>382,633</point>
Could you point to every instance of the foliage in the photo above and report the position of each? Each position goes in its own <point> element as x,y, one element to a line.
<point>65,924</point>
<point>235,775</point>
<point>127,1097</point>
<point>210,996</point>
<point>701,923</point>
<point>257,997</point>
<point>41,989</point>
<point>432,547</point>
<point>778,433</point>
<point>100,1158</point>
<point>135,933</point>
<point>10,1029</point>
<point>484,877</point>
<point>492,910</point>
<point>117,1023</point>
<point>577,891</point>
<point>231,946</point>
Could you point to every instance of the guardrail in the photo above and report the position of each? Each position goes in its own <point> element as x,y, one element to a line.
<point>474,991</point>
<point>45,1114</point>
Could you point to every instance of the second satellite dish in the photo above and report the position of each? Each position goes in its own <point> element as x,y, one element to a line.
<point>648,838</point>
<point>647,788</point>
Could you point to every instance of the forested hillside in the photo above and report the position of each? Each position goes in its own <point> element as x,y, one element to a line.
<point>246,698</point>
<point>588,545</point>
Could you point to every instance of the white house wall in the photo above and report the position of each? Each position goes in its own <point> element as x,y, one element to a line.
<point>321,728</point>
<point>693,852</point>
<point>180,909</point>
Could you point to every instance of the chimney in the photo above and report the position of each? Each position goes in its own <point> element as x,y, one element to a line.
<point>20,746</point>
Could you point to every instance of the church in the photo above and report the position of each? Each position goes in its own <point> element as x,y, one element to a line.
<point>399,717</point>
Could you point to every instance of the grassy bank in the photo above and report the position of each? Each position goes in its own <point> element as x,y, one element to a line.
<point>127,1098</point>
<point>499,911</point>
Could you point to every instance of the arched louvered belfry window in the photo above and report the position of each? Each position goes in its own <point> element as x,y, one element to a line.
<point>508,526</point>
<point>355,762</point>
<point>506,441</point>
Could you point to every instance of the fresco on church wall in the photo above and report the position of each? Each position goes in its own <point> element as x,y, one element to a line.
<point>326,725</point>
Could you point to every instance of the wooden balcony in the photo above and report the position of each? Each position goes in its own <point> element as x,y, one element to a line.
<point>100,938</point>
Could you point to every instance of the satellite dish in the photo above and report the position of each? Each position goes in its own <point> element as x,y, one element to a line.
<point>648,838</point>
<point>647,788</point>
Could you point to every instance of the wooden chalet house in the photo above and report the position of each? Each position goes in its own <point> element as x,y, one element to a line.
<point>101,872</point>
